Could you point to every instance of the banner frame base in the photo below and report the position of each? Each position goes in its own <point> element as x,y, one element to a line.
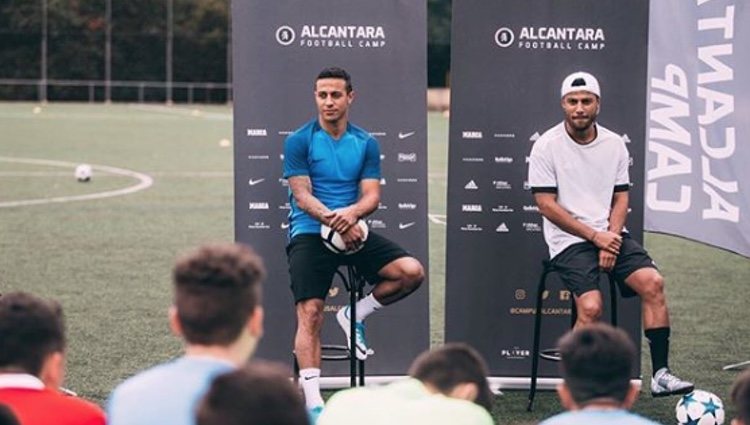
<point>497,383</point>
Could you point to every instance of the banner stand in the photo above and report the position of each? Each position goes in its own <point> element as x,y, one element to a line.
<point>279,49</point>
<point>509,58</point>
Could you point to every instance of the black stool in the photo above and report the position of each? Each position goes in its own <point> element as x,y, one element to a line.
<point>551,354</point>
<point>354,283</point>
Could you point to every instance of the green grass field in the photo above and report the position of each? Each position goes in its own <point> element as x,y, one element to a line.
<point>108,260</point>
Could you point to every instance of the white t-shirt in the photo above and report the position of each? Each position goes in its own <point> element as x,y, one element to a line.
<point>402,402</point>
<point>584,177</point>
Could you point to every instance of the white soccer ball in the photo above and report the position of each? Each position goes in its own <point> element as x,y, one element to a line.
<point>700,408</point>
<point>333,241</point>
<point>83,173</point>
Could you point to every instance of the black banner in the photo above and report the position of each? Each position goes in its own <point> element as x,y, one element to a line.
<point>508,61</point>
<point>279,48</point>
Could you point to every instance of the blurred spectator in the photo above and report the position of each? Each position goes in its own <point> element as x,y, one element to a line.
<point>597,362</point>
<point>6,416</point>
<point>217,312</point>
<point>741,398</point>
<point>448,385</point>
<point>32,365</point>
<point>258,394</point>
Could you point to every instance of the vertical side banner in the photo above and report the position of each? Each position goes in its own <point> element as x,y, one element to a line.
<point>509,59</point>
<point>699,103</point>
<point>279,49</point>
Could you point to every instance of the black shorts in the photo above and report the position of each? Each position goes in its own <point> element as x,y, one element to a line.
<point>578,265</point>
<point>312,265</point>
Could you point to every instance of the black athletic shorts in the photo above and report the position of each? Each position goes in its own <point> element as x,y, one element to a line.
<point>312,265</point>
<point>578,265</point>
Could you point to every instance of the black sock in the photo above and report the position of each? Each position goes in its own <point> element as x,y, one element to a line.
<point>658,340</point>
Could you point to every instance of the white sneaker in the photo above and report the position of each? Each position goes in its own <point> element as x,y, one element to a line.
<point>664,383</point>
<point>343,318</point>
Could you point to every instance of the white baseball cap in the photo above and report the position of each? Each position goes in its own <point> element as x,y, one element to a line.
<point>580,81</point>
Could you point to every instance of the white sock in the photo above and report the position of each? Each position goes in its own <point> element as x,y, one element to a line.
<point>310,378</point>
<point>366,306</point>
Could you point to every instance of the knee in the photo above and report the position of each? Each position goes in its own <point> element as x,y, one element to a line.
<point>653,289</point>
<point>310,315</point>
<point>589,310</point>
<point>412,275</point>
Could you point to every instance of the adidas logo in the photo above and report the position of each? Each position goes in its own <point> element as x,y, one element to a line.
<point>534,137</point>
<point>471,185</point>
<point>502,228</point>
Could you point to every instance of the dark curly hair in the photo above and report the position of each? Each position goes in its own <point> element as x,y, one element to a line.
<point>30,329</point>
<point>217,288</point>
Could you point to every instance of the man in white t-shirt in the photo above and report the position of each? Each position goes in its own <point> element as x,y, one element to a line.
<point>578,173</point>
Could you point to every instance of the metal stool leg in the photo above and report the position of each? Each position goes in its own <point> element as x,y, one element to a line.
<point>296,368</point>
<point>360,284</point>
<point>612,299</point>
<point>537,332</point>
<point>352,327</point>
<point>355,284</point>
<point>573,311</point>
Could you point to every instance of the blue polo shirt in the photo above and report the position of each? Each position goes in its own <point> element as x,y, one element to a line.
<point>597,417</point>
<point>166,394</point>
<point>335,168</point>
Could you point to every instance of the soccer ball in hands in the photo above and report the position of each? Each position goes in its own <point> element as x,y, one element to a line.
<point>83,173</point>
<point>333,241</point>
<point>700,408</point>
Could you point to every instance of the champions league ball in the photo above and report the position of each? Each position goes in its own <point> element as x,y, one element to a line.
<point>83,173</point>
<point>332,240</point>
<point>700,408</point>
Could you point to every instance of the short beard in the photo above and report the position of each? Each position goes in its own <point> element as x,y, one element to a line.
<point>577,128</point>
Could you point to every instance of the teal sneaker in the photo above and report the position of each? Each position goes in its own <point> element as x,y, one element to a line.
<point>343,318</point>
<point>314,413</point>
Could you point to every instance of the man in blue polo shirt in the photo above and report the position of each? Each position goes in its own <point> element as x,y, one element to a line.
<point>217,312</point>
<point>333,169</point>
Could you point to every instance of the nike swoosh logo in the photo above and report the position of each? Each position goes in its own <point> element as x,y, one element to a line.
<point>307,378</point>
<point>405,135</point>
<point>405,225</point>
<point>284,225</point>
<point>252,182</point>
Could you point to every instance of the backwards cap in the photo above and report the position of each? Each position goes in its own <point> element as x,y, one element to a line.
<point>580,81</point>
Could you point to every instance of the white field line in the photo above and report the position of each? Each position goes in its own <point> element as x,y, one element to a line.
<point>84,116</point>
<point>222,174</point>
<point>182,111</point>
<point>144,182</point>
<point>437,218</point>
<point>33,174</point>
<point>191,174</point>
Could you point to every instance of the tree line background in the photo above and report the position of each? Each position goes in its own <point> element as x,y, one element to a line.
<point>76,37</point>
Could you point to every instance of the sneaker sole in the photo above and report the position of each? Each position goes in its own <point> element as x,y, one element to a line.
<point>676,392</point>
